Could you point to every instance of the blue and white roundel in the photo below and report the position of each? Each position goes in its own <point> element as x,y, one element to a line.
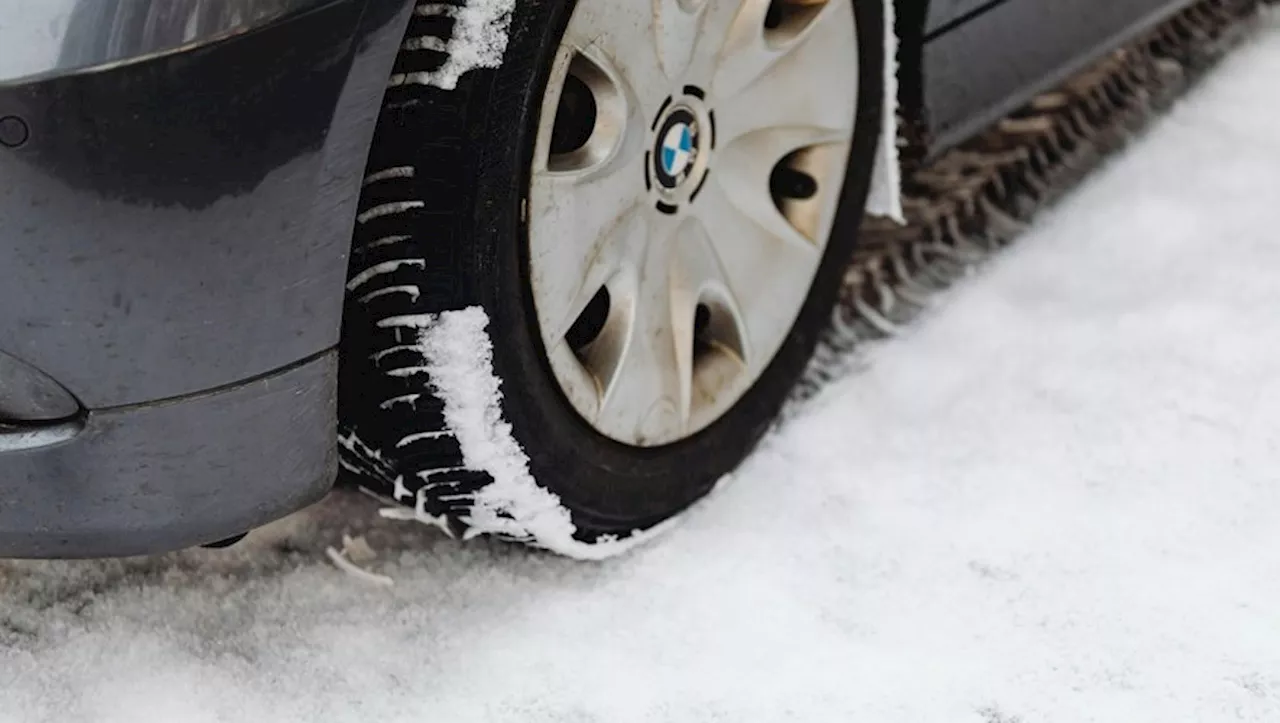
<point>677,150</point>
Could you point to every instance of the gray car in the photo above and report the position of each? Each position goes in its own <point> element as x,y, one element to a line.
<point>542,269</point>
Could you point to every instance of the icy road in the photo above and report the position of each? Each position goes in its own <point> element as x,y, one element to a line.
<point>1056,499</point>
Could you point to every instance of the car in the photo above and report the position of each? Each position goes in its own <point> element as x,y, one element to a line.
<point>538,269</point>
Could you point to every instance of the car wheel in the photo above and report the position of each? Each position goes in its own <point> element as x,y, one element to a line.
<point>584,282</point>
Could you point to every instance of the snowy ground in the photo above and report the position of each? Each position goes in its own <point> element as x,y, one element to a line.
<point>1058,499</point>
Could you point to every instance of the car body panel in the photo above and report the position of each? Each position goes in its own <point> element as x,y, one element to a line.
<point>945,13</point>
<point>985,68</point>
<point>156,477</point>
<point>174,234</point>
<point>962,76</point>
<point>56,37</point>
<point>182,222</point>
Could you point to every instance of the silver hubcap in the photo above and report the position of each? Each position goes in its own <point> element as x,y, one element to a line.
<point>686,175</point>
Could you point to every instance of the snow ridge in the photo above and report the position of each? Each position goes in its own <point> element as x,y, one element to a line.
<point>885,196</point>
<point>458,355</point>
<point>479,40</point>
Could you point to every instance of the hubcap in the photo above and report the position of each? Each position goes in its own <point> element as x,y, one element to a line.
<point>686,174</point>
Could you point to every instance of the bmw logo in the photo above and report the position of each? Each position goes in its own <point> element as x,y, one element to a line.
<point>677,148</point>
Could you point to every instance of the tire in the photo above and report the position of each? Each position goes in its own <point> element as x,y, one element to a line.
<point>444,244</point>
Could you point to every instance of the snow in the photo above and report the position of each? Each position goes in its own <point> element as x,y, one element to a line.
<point>479,40</point>
<point>885,196</point>
<point>1054,500</point>
<point>457,353</point>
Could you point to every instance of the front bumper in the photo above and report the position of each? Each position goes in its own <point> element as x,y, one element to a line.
<point>156,477</point>
<point>178,180</point>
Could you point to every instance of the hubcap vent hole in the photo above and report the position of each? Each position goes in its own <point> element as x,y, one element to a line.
<point>789,184</point>
<point>587,327</point>
<point>786,20</point>
<point>716,332</point>
<point>796,184</point>
<point>701,322</point>
<point>589,119</point>
<point>575,118</point>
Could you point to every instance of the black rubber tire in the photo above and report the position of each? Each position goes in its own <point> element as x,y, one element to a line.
<point>470,148</point>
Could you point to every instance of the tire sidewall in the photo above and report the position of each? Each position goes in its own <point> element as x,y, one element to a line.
<point>610,487</point>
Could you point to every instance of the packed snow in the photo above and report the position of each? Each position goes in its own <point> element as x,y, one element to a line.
<point>457,353</point>
<point>885,195</point>
<point>1057,498</point>
<point>479,40</point>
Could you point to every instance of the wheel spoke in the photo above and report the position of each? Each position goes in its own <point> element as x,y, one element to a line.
<point>676,25</point>
<point>704,303</point>
<point>646,397</point>
<point>718,21</point>
<point>582,231</point>
<point>765,266</point>
<point>760,86</point>
<point>621,35</point>
<point>745,167</point>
